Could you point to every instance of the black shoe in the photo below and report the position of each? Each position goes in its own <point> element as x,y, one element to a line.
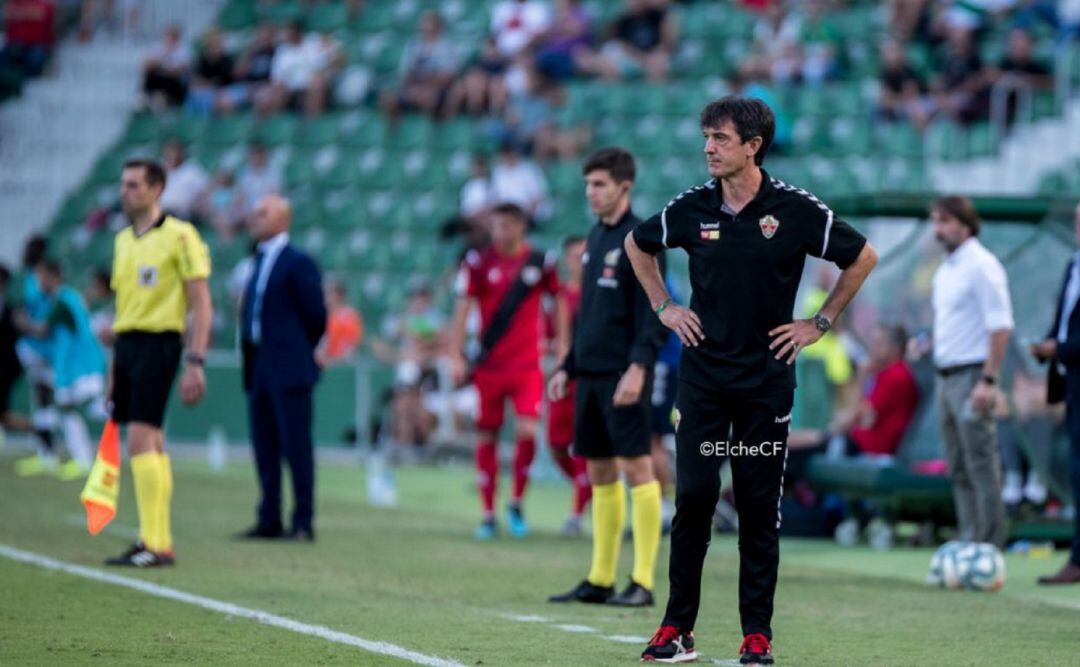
<point>139,556</point>
<point>585,592</point>
<point>259,532</point>
<point>635,595</point>
<point>302,535</point>
<point>670,645</point>
<point>755,650</point>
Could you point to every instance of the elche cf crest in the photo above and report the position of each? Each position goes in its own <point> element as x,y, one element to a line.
<point>768,225</point>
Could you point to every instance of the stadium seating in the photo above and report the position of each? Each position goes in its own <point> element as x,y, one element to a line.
<point>354,181</point>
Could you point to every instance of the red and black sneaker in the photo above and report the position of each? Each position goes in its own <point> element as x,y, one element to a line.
<point>755,650</point>
<point>670,645</point>
<point>139,556</point>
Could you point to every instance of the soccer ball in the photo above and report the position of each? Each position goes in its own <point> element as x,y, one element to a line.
<point>970,565</point>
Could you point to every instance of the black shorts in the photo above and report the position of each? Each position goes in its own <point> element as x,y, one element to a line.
<point>144,369</point>
<point>664,389</point>
<point>8,378</point>
<point>603,431</point>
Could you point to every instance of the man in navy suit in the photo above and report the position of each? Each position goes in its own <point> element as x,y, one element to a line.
<point>1062,349</point>
<point>283,316</point>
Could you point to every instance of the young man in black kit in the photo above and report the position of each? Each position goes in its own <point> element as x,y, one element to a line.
<point>748,236</point>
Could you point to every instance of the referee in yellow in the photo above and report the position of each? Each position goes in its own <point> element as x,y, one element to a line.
<point>160,271</point>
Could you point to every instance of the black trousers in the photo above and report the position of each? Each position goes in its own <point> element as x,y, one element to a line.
<point>752,433</point>
<point>281,429</point>
<point>1072,423</point>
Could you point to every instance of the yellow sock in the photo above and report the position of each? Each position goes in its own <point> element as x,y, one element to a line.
<point>608,517</point>
<point>645,520</point>
<point>165,509</point>
<point>146,469</point>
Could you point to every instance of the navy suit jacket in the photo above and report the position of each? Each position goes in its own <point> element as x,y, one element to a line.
<point>293,320</point>
<point>1068,353</point>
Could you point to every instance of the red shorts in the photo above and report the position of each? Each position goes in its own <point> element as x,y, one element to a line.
<point>525,388</point>
<point>561,419</point>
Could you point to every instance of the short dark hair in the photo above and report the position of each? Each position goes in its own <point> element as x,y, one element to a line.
<point>616,161</point>
<point>51,265</point>
<point>750,116</point>
<point>897,334</point>
<point>511,209</point>
<point>34,250</point>
<point>961,208</point>
<point>573,239</point>
<point>155,173</point>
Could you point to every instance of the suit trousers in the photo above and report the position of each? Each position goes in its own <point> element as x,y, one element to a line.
<point>970,440</point>
<point>281,421</point>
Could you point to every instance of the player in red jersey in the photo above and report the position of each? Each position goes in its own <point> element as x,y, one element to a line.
<point>505,281</point>
<point>561,412</point>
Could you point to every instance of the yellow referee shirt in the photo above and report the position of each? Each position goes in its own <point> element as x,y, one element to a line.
<point>149,272</point>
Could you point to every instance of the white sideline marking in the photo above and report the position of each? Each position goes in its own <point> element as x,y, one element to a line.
<point>627,639</point>
<point>264,617</point>
<point>524,618</point>
<point>578,629</point>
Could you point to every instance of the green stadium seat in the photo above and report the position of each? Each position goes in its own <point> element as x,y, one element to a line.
<point>276,130</point>
<point>328,17</point>
<point>237,16</point>
<point>228,130</point>
<point>281,12</point>
<point>318,132</point>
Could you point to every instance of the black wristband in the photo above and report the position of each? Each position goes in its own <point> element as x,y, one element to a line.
<point>193,359</point>
<point>988,379</point>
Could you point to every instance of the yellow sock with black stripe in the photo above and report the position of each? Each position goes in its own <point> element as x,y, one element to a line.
<point>608,517</point>
<point>645,519</point>
<point>165,507</point>
<point>146,469</point>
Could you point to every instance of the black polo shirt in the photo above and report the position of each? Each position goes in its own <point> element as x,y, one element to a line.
<point>744,273</point>
<point>615,324</point>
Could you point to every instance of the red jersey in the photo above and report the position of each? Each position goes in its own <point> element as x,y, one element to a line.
<point>894,397</point>
<point>572,295</point>
<point>30,22</point>
<point>487,276</point>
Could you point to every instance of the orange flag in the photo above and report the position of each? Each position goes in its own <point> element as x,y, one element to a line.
<point>102,488</point>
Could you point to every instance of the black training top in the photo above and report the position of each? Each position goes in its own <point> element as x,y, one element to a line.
<point>744,273</point>
<point>615,325</point>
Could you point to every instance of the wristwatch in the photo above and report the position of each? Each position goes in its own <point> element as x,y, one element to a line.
<point>193,359</point>
<point>988,379</point>
<point>822,323</point>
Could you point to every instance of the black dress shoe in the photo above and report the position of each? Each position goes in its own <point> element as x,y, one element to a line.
<point>586,592</point>
<point>258,532</point>
<point>302,534</point>
<point>635,595</point>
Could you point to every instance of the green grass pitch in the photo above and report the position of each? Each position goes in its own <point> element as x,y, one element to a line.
<point>414,577</point>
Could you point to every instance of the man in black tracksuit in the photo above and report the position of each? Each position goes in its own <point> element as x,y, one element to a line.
<point>747,236</point>
<point>614,348</point>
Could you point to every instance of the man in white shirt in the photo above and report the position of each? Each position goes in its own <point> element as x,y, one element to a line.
<point>972,324</point>
<point>1062,349</point>
<point>515,23</point>
<point>516,179</point>
<point>187,183</point>
<point>258,178</point>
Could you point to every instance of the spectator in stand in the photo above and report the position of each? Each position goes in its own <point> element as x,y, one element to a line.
<point>516,23</point>
<point>819,41</point>
<point>482,87</point>
<point>344,327</point>
<point>302,71</point>
<point>1020,64</point>
<point>213,74</point>
<point>187,185</point>
<point>774,53</point>
<point>530,120</point>
<point>29,35</point>
<point>960,82</point>
<point>166,72</point>
<point>258,178</point>
<point>905,17</point>
<point>516,179</point>
<point>99,301</point>
<point>252,73</point>
<point>226,211</point>
<point>901,90</point>
<point>642,40</point>
<point>428,67</point>
<point>568,38</point>
<point>477,195</point>
<point>123,17</point>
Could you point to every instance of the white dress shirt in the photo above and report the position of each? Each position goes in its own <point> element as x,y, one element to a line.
<point>270,249</point>
<point>971,300</point>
